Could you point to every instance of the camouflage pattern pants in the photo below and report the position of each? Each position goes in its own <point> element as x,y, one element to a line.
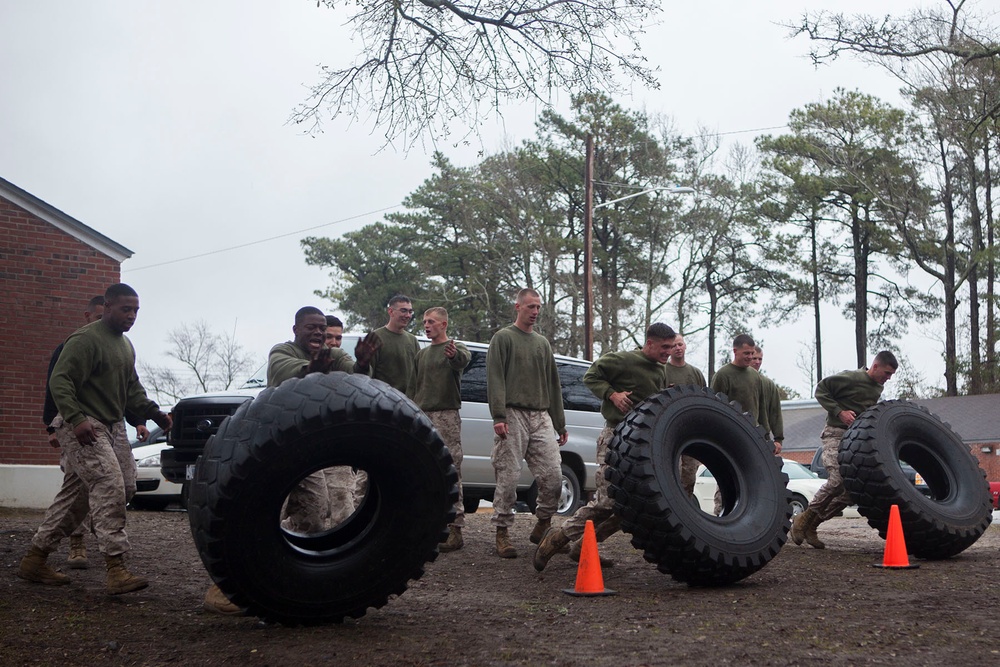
<point>99,478</point>
<point>532,438</point>
<point>340,483</point>
<point>307,507</point>
<point>832,497</point>
<point>600,508</point>
<point>449,425</point>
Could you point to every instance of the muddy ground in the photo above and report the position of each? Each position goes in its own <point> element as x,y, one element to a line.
<point>806,607</point>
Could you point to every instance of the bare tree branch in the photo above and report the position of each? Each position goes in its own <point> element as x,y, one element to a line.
<point>426,63</point>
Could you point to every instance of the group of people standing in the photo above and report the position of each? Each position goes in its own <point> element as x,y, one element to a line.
<point>94,388</point>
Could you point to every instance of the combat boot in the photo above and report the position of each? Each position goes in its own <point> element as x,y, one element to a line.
<point>504,548</point>
<point>217,603</point>
<point>551,544</point>
<point>574,553</point>
<point>77,553</point>
<point>810,532</point>
<point>454,541</point>
<point>121,580</point>
<point>34,568</point>
<point>802,519</point>
<point>541,527</point>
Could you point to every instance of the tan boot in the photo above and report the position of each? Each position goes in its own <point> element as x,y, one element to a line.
<point>810,532</point>
<point>504,548</point>
<point>121,580</point>
<point>77,553</point>
<point>33,568</point>
<point>798,531</point>
<point>538,532</point>
<point>553,541</point>
<point>216,602</point>
<point>454,541</point>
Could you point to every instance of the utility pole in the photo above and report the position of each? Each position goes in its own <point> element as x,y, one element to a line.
<point>588,252</point>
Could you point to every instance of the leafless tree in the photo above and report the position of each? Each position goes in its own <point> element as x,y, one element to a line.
<point>208,362</point>
<point>424,64</point>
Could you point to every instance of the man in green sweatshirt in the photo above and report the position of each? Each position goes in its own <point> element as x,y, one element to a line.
<point>621,380</point>
<point>439,394</point>
<point>394,361</point>
<point>525,397</point>
<point>844,396</point>
<point>94,385</point>
<point>770,407</point>
<point>680,373</point>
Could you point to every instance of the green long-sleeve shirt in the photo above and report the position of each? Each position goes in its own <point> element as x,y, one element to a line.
<point>770,409</point>
<point>847,390</point>
<point>439,379</point>
<point>521,373</point>
<point>684,375</point>
<point>395,361</point>
<point>630,371</point>
<point>288,360</point>
<point>95,377</point>
<point>742,385</point>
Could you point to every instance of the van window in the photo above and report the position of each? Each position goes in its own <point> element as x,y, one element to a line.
<point>474,379</point>
<point>576,396</point>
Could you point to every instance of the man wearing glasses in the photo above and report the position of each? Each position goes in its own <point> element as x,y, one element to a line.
<point>395,361</point>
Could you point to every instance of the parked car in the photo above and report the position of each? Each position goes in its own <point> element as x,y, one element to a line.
<point>196,418</point>
<point>802,482</point>
<point>153,491</point>
<point>817,467</point>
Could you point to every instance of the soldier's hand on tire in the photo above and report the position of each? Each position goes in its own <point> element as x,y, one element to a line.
<point>321,362</point>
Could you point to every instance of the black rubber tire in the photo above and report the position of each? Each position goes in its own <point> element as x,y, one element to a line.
<point>270,444</point>
<point>958,510</point>
<point>470,505</point>
<point>798,503</point>
<point>674,533</point>
<point>570,496</point>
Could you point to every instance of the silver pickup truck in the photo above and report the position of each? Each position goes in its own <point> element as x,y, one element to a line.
<point>196,418</point>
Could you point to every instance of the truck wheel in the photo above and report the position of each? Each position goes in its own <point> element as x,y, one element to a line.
<point>570,494</point>
<point>674,533</point>
<point>268,446</point>
<point>956,513</point>
<point>470,505</point>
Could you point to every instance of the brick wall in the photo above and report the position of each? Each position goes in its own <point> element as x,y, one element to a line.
<point>46,279</point>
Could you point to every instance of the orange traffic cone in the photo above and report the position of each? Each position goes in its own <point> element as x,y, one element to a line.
<point>895,556</point>
<point>589,580</point>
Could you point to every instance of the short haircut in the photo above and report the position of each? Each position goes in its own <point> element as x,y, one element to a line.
<point>95,302</point>
<point>661,331</point>
<point>527,291</point>
<point>117,290</point>
<point>886,358</point>
<point>399,298</point>
<point>758,348</point>
<point>307,310</point>
<point>334,321</point>
<point>437,310</point>
<point>743,339</point>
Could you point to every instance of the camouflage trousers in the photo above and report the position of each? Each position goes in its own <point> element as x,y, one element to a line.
<point>449,426</point>
<point>99,478</point>
<point>832,497</point>
<point>600,508</point>
<point>307,507</point>
<point>531,438</point>
<point>340,484</point>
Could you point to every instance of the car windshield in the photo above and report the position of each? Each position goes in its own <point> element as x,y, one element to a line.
<point>156,435</point>
<point>797,470</point>
<point>257,380</point>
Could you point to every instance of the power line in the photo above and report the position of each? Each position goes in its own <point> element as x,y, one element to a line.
<point>259,241</point>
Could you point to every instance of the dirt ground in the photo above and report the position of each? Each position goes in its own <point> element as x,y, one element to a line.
<point>807,606</point>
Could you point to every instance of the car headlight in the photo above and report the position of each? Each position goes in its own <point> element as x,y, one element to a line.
<point>149,462</point>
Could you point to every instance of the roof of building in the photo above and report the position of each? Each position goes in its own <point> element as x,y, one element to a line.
<point>974,418</point>
<point>62,221</point>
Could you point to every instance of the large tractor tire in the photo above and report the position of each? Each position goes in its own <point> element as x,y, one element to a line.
<point>958,510</point>
<point>270,444</point>
<point>690,545</point>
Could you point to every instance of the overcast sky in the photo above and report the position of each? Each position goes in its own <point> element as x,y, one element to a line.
<point>163,126</point>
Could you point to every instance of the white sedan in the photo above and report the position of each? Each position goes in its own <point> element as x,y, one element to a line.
<point>152,490</point>
<point>802,482</point>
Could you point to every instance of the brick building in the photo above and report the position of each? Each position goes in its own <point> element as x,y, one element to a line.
<point>50,266</point>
